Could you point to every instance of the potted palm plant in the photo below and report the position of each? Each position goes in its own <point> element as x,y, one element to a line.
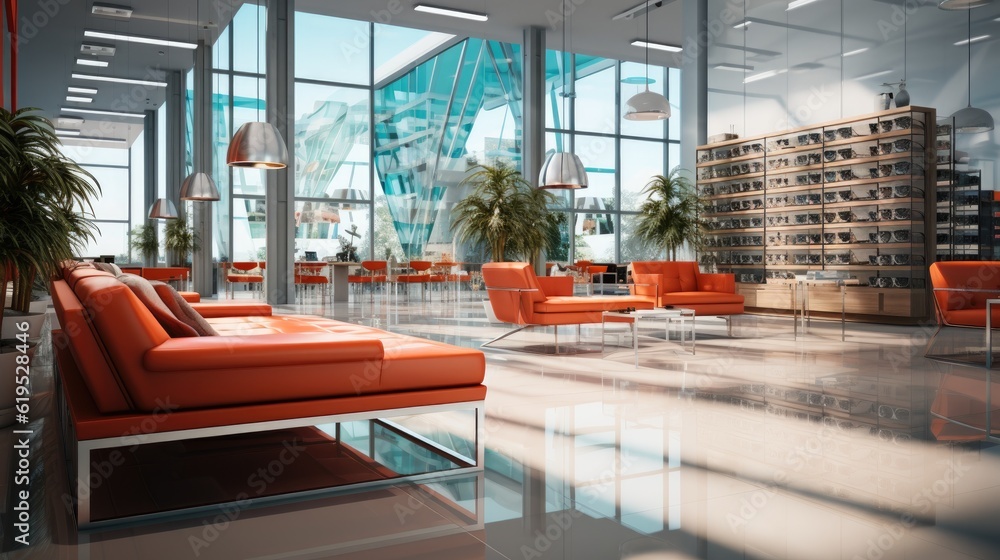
<point>670,217</point>
<point>506,215</point>
<point>180,240</point>
<point>142,240</point>
<point>41,193</point>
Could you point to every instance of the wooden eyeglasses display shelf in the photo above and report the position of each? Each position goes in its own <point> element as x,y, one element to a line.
<point>854,195</point>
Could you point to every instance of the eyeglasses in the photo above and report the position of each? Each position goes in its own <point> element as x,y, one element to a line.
<point>845,132</point>
<point>847,153</point>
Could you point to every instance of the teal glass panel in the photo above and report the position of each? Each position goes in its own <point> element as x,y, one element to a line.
<point>331,142</point>
<point>423,121</point>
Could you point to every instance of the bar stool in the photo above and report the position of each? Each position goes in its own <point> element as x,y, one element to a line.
<point>308,276</point>
<point>370,276</point>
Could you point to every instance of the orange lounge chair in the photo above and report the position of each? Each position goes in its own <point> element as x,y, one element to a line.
<point>961,289</point>
<point>519,297</point>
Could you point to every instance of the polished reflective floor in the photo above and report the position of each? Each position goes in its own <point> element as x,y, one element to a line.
<point>760,445</point>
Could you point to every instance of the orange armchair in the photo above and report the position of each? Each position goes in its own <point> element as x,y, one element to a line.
<point>519,297</point>
<point>961,289</point>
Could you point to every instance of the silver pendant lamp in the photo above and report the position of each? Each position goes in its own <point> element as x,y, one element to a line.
<point>647,105</point>
<point>955,5</point>
<point>163,209</point>
<point>563,170</point>
<point>972,120</point>
<point>199,186</point>
<point>257,144</point>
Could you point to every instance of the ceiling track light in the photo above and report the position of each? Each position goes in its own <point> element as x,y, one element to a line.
<point>139,39</point>
<point>113,79</point>
<point>450,12</point>
<point>111,10</point>
<point>98,49</point>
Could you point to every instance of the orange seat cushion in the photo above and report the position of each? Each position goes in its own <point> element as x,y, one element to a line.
<point>679,299</point>
<point>572,304</point>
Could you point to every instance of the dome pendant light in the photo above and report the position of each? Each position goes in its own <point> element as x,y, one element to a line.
<point>956,5</point>
<point>199,186</point>
<point>972,120</point>
<point>647,105</point>
<point>563,170</point>
<point>163,209</point>
<point>257,144</point>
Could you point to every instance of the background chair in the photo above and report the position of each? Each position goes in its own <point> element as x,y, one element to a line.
<point>245,272</point>
<point>420,275</point>
<point>373,272</point>
<point>308,277</point>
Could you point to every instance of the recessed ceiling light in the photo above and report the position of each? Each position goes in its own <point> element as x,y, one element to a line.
<point>449,12</point>
<point>656,46</point>
<point>742,25</point>
<point>964,42</point>
<point>139,39</point>
<point>763,75</point>
<point>87,90</point>
<point>854,52</point>
<point>67,120</point>
<point>78,99</point>
<point>98,49</point>
<point>798,4</point>
<point>111,10</point>
<point>92,62</point>
<point>119,80</point>
<point>733,67</point>
<point>96,139</point>
<point>64,132</point>
<point>103,112</point>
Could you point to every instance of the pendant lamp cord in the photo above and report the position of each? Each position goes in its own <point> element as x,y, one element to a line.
<point>257,32</point>
<point>647,45</point>
<point>969,44</point>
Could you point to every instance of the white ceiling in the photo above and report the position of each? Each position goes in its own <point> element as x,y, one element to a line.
<point>48,56</point>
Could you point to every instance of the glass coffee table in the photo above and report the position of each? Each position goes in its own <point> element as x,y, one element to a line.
<point>683,317</point>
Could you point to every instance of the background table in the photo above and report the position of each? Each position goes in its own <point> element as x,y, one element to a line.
<point>671,314</point>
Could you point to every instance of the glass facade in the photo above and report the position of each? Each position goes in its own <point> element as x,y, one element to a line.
<point>389,124</point>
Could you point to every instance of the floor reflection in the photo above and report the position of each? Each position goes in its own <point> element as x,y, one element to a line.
<point>760,446</point>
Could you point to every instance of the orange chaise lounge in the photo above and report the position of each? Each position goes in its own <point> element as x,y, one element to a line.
<point>681,284</point>
<point>519,297</point>
<point>121,353</point>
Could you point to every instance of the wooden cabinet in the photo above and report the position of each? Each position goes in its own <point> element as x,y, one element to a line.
<point>853,195</point>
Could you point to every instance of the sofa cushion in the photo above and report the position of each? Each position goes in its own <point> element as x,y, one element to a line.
<point>143,290</point>
<point>571,304</point>
<point>108,267</point>
<point>679,299</point>
<point>182,309</point>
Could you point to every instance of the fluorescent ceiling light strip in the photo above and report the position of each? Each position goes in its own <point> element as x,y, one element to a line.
<point>139,39</point>
<point>92,62</point>
<point>99,139</point>
<point>64,132</point>
<point>763,75</point>
<point>87,90</point>
<point>111,10</point>
<point>733,67</point>
<point>449,12</point>
<point>854,52</point>
<point>798,4</point>
<point>874,75</point>
<point>964,42</point>
<point>742,25</point>
<point>656,46</point>
<point>78,99</point>
<point>118,80</point>
<point>67,119</point>
<point>103,112</point>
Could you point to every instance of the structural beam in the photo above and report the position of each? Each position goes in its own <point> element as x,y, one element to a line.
<point>149,165</point>
<point>533,128</point>
<point>280,195</point>
<point>202,268</point>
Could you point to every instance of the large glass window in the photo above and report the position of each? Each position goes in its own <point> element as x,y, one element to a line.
<point>620,156</point>
<point>111,212</point>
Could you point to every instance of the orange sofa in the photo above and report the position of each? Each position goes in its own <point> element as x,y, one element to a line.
<point>519,297</point>
<point>681,284</point>
<point>118,365</point>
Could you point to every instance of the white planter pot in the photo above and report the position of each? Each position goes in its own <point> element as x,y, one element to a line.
<point>40,305</point>
<point>11,319</point>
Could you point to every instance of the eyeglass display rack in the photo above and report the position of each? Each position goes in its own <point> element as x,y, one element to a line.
<point>963,217</point>
<point>849,195</point>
